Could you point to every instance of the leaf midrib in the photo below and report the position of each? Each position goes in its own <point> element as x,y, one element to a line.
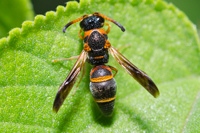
<point>191,110</point>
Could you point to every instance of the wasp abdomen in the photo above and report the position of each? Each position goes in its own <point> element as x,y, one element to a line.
<point>103,88</point>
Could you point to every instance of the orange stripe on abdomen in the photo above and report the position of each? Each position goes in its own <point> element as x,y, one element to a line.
<point>101,79</point>
<point>105,100</point>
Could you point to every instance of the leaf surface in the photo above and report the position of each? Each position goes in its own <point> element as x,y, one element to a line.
<point>163,43</point>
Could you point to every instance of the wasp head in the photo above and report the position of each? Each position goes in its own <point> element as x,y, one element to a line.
<point>92,22</point>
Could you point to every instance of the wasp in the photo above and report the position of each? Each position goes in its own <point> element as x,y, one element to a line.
<point>95,51</point>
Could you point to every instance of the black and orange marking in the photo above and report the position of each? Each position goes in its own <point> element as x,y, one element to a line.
<point>105,100</point>
<point>103,88</point>
<point>101,78</point>
<point>96,47</point>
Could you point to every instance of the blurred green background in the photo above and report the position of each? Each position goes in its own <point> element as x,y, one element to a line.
<point>190,7</point>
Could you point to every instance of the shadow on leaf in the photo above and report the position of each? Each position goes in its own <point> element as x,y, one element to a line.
<point>74,107</point>
<point>99,117</point>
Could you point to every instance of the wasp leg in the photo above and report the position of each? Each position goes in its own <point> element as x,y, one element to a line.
<point>71,58</point>
<point>79,34</point>
<point>124,46</point>
<point>114,69</point>
<point>109,26</point>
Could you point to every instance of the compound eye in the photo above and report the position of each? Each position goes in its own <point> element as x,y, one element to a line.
<point>82,24</point>
<point>100,19</point>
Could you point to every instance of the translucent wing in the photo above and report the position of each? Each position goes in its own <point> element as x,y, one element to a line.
<point>67,85</point>
<point>136,73</point>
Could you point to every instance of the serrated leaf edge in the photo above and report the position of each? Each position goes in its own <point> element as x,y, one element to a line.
<point>39,20</point>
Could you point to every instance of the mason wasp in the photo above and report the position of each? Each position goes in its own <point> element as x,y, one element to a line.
<point>96,47</point>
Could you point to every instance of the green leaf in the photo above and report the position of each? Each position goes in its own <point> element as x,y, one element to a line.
<point>163,43</point>
<point>13,13</point>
